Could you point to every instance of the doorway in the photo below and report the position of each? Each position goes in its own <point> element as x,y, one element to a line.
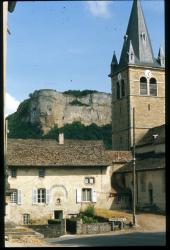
<point>150,192</point>
<point>58,214</point>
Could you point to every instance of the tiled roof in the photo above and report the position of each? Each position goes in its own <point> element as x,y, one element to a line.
<point>148,138</point>
<point>41,152</point>
<point>119,156</point>
<point>144,164</point>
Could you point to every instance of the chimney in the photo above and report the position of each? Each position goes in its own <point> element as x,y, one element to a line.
<point>61,138</point>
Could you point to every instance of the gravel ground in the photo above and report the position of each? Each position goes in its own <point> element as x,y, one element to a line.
<point>146,222</point>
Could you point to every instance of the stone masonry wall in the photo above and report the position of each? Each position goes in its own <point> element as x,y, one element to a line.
<point>93,228</point>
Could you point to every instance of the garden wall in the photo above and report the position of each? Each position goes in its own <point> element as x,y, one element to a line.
<point>50,230</point>
<point>93,228</point>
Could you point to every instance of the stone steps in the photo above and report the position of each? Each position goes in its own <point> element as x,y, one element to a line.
<point>20,232</point>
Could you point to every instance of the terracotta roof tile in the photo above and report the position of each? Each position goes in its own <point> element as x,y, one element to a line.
<point>38,152</point>
<point>144,164</point>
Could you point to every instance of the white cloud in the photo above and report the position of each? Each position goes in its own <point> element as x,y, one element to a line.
<point>11,104</point>
<point>98,8</point>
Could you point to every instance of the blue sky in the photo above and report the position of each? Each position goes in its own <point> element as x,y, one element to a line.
<point>65,45</point>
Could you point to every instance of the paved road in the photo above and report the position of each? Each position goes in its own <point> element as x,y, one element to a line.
<point>114,239</point>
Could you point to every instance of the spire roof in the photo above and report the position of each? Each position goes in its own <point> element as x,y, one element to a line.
<point>137,41</point>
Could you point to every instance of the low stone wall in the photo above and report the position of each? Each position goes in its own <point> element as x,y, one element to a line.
<point>93,228</point>
<point>51,230</point>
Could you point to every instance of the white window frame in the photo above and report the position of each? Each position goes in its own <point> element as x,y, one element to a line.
<point>84,194</point>
<point>89,180</point>
<point>26,219</point>
<point>14,197</point>
<point>41,195</point>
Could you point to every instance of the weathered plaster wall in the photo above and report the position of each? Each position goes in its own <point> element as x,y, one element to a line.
<point>62,183</point>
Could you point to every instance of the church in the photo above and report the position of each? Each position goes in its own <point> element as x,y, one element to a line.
<point>138,81</point>
<point>138,112</point>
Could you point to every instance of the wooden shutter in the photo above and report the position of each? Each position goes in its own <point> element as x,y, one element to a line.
<point>94,195</point>
<point>34,196</point>
<point>19,196</point>
<point>47,196</point>
<point>78,195</point>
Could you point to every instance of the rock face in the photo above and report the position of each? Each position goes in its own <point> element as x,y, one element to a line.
<point>49,107</point>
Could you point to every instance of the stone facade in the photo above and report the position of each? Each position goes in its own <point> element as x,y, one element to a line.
<point>149,110</point>
<point>49,107</point>
<point>150,188</point>
<point>63,184</point>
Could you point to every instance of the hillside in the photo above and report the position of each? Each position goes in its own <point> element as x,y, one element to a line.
<point>79,114</point>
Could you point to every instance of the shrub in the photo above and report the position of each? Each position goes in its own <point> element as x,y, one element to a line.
<point>54,221</point>
<point>77,103</point>
<point>89,211</point>
<point>78,93</point>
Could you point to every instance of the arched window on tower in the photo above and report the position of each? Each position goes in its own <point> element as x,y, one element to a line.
<point>123,87</point>
<point>153,87</point>
<point>143,86</point>
<point>118,90</point>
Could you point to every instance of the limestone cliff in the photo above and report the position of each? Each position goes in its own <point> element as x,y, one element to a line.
<point>48,107</point>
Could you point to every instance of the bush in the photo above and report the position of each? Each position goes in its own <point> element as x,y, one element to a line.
<point>54,221</point>
<point>78,93</point>
<point>77,103</point>
<point>89,211</point>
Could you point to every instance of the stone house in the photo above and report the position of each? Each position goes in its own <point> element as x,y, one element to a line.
<point>55,180</point>
<point>150,171</point>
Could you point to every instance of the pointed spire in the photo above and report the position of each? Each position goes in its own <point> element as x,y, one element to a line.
<point>114,62</point>
<point>161,57</point>
<point>138,34</point>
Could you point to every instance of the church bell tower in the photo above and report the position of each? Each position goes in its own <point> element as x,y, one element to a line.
<point>138,81</point>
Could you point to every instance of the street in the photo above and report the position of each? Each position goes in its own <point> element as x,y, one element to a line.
<point>111,239</point>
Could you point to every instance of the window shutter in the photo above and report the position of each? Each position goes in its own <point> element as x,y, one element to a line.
<point>94,195</point>
<point>34,196</point>
<point>19,197</point>
<point>47,196</point>
<point>78,195</point>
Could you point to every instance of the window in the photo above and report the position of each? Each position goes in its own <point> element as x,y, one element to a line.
<point>86,194</point>
<point>123,87</point>
<point>13,172</point>
<point>41,172</point>
<point>143,86</point>
<point>41,195</point>
<point>89,180</point>
<point>118,90</point>
<point>14,196</point>
<point>26,219</point>
<point>153,87</point>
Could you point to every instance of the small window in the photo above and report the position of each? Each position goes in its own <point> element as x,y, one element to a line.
<point>13,172</point>
<point>89,180</point>
<point>41,195</point>
<point>41,172</point>
<point>14,196</point>
<point>149,107</point>
<point>143,36</point>
<point>143,86</point>
<point>123,87</point>
<point>153,87</point>
<point>26,219</point>
<point>118,90</point>
<point>86,194</point>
